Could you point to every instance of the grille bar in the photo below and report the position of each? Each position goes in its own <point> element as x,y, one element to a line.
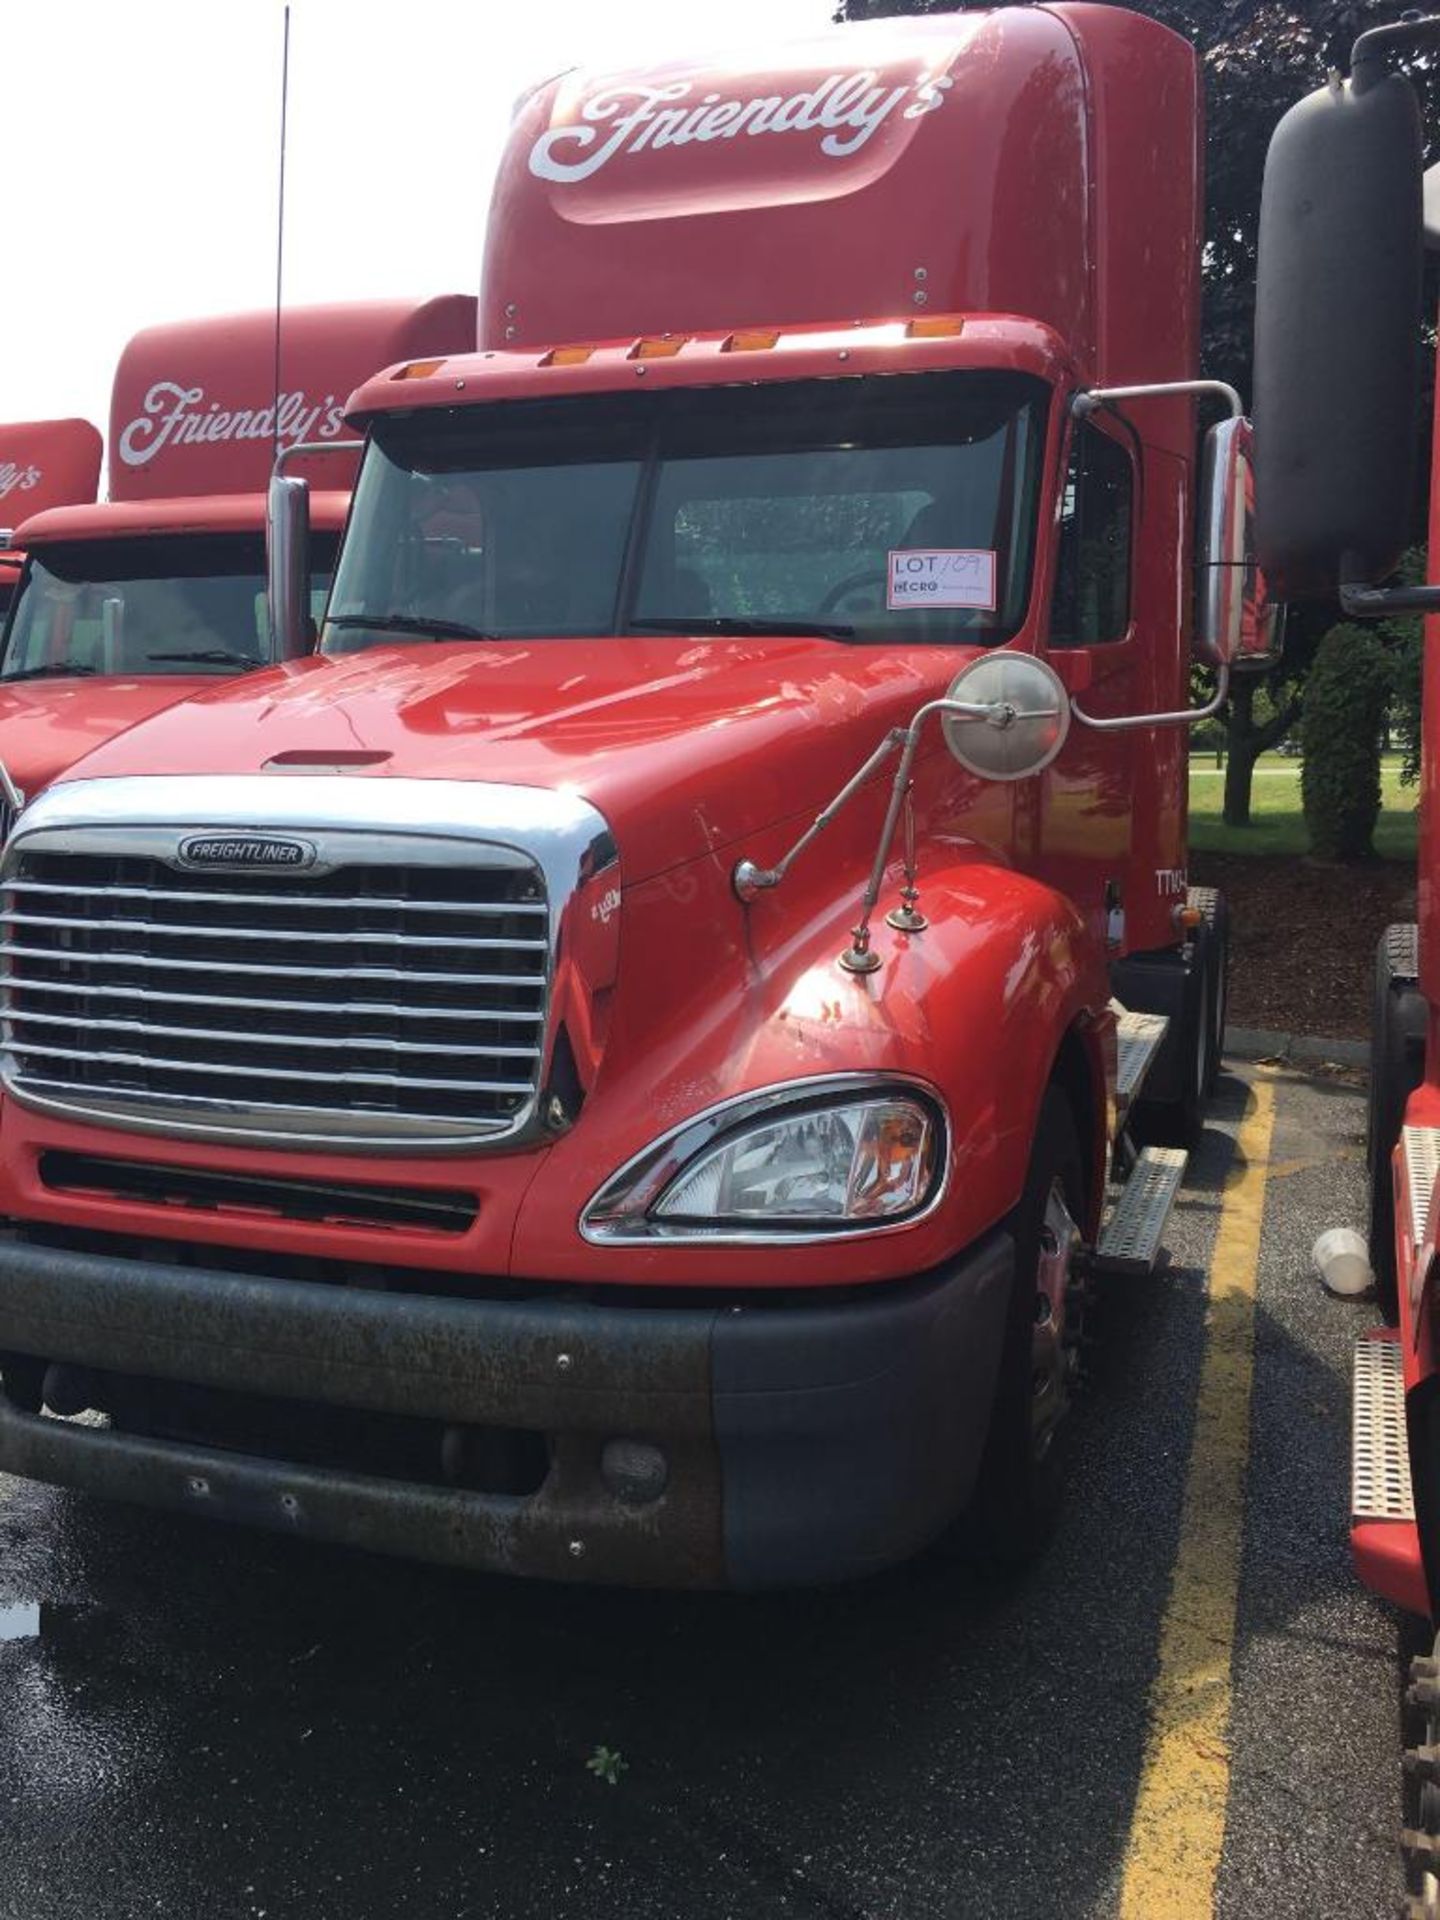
<point>379,1008</point>
<point>409,975</point>
<point>361,936</point>
<point>352,902</point>
<point>21,1017</point>
<point>214,1067</point>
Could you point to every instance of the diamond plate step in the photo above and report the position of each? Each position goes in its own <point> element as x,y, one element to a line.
<point>1422,1162</point>
<point>1379,1457</point>
<point>1139,1037</point>
<point>1130,1239</point>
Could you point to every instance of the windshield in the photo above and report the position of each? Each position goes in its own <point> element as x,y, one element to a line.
<point>181,603</point>
<point>893,508</point>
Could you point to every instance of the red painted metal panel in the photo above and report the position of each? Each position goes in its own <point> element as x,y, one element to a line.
<point>46,463</point>
<point>193,409</point>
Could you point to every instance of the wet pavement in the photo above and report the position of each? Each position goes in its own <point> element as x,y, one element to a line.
<point>195,1721</point>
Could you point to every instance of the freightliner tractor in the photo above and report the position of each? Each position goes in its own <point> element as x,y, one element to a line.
<point>610,1070</point>
<point>43,463</point>
<point>1346,214</point>
<point>130,604</point>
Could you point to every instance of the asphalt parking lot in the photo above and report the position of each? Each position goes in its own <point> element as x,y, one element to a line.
<point>195,1721</point>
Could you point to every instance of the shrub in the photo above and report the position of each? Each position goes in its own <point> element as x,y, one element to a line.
<point>1346,696</point>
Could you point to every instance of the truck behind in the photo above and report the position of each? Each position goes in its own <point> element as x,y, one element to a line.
<point>131,603</point>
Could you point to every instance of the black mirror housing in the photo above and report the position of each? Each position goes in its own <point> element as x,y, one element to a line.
<point>1337,337</point>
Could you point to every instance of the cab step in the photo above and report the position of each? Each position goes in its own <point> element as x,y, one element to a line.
<point>1139,1037</point>
<point>1379,1456</point>
<point>1135,1226</point>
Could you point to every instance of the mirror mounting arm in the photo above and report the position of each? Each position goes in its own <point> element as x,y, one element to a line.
<point>1187,717</point>
<point>1377,603</point>
<point>1093,398</point>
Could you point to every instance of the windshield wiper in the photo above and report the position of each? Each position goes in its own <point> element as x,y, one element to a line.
<point>726,623</point>
<point>412,623</point>
<point>214,657</point>
<point>57,670</point>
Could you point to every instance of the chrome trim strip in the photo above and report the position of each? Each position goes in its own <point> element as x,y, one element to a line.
<point>499,1016</point>
<point>181,1116</point>
<point>630,1192</point>
<point>359,1041</point>
<point>364,819</point>
<point>361,937</point>
<point>227,967</point>
<point>368,902</point>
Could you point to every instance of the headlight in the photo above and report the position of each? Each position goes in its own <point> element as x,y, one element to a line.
<point>822,1156</point>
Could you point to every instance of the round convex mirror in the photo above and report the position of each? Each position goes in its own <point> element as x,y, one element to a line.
<point>1028,723</point>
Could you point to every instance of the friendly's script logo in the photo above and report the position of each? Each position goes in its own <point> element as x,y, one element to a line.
<point>17,479</point>
<point>846,109</point>
<point>177,416</point>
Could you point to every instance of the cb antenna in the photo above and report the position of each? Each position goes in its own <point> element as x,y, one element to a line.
<point>280,217</point>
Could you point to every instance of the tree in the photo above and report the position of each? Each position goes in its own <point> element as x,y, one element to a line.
<point>1258,59</point>
<point>1345,701</point>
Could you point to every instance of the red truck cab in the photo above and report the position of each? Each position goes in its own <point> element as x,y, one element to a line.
<point>607,1070</point>
<point>130,604</point>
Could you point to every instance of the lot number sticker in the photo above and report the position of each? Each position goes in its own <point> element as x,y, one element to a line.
<point>942,577</point>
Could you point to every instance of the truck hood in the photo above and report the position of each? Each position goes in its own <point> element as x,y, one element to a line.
<point>684,746</point>
<point>47,725</point>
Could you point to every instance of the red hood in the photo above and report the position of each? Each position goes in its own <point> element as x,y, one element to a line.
<point>47,725</point>
<point>683,745</point>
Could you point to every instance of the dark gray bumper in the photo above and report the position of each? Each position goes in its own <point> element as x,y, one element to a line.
<point>805,1443</point>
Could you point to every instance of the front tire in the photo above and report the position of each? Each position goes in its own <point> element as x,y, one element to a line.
<point>1022,1470</point>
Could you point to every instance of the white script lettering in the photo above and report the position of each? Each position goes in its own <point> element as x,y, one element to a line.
<point>849,109</point>
<point>173,415</point>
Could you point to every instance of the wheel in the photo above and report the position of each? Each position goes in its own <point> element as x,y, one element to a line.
<point>1017,1494</point>
<point>1397,1063</point>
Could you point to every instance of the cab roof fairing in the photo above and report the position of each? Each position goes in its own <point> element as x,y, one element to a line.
<point>1037,160</point>
<point>194,408</point>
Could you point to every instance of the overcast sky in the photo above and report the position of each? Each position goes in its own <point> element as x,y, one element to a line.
<point>140,153</point>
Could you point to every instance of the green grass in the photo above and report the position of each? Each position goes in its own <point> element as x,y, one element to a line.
<point>1277,824</point>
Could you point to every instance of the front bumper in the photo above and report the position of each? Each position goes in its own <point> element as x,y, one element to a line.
<point>805,1443</point>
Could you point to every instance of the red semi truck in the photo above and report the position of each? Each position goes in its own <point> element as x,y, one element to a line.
<point>609,1070</point>
<point>1346,213</point>
<point>43,463</point>
<point>132,603</point>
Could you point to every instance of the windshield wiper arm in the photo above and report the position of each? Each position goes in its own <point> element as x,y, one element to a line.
<point>412,623</point>
<point>57,670</point>
<point>214,656</point>
<point>726,623</point>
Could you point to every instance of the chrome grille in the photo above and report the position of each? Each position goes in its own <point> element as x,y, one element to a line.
<point>396,997</point>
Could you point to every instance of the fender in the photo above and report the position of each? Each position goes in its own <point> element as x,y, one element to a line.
<point>715,1000</point>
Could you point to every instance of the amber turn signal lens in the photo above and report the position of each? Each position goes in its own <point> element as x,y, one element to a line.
<point>934,326</point>
<point>567,356</point>
<point>751,340</point>
<point>419,369</point>
<point>662,346</point>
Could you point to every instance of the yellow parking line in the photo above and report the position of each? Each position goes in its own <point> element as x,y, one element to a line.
<point>1178,1826</point>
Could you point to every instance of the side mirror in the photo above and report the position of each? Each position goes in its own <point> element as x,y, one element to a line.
<point>287,566</point>
<point>1337,373</point>
<point>1234,626</point>
<point>1020,717</point>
